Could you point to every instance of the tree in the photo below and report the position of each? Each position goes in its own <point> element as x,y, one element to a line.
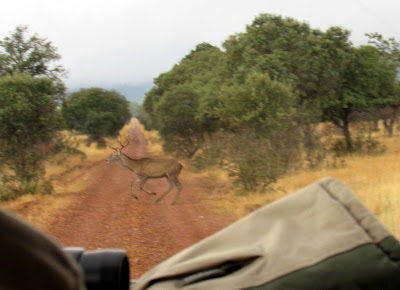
<point>288,51</point>
<point>283,47</point>
<point>390,50</point>
<point>258,117</point>
<point>179,105</point>
<point>364,80</point>
<point>181,131</point>
<point>30,91</point>
<point>273,84</point>
<point>28,119</point>
<point>31,55</point>
<point>97,112</point>
<point>261,104</point>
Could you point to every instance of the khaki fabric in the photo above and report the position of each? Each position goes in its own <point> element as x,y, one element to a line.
<point>31,260</point>
<point>300,230</point>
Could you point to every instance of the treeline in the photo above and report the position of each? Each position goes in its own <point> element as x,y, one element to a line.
<point>34,108</point>
<point>253,106</point>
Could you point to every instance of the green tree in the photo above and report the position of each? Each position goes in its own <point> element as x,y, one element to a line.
<point>363,80</point>
<point>195,82</point>
<point>258,117</point>
<point>273,84</point>
<point>30,91</point>
<point>181,131</point>
<point>22,53</point>
<point>97,112</point>
<point>390,50</point>
<point>291,52</point>
<point>285,48</point>
<point>28,119</point>
<point>260,104</point>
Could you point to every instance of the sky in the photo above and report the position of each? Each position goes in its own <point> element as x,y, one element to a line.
<point>133,41</point>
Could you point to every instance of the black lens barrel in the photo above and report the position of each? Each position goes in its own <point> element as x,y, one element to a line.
<point>103,269</point>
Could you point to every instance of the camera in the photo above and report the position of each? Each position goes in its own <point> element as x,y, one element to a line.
<point>103,269</point>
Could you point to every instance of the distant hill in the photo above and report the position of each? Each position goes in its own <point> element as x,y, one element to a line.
<point>133,93</point>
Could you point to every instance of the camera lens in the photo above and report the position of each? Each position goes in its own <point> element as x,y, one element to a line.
<point>103,269</point>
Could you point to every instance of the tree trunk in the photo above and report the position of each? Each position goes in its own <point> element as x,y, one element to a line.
<point>388,124</point>
<point>346,129</point>
<point>347,137</point>
<point>389,119</point>
<point>342,121</point>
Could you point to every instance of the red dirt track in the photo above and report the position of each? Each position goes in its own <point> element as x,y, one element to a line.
<point>106,216</point>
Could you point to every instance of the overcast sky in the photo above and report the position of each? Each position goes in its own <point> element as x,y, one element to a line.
<point>133,41</point>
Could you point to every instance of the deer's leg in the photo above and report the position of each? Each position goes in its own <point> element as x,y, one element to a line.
<point>171,182</point>
<point>179,187</point>
<point>133,186</point>
<point>170,185</point>
<point>144,179</point>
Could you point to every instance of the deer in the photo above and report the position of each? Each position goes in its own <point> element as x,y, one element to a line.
<point>149,168</point>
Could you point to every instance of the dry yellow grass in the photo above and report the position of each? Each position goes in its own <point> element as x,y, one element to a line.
<point>374,179</point>
<point>39,210</point>
<point>154,146</point>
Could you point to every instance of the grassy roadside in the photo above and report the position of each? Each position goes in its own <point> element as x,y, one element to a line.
<point>70,175</point>
<point>374,179</point>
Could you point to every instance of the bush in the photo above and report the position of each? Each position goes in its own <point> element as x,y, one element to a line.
<point>28,120</point>
<point>96,112</point>
<point>362,145</point>
<point>252,161</point>
<point>30,181</point>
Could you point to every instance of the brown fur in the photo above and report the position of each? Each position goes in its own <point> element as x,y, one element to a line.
<point>149,168</point>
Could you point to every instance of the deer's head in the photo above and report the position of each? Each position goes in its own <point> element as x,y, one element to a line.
<point>116,156</point>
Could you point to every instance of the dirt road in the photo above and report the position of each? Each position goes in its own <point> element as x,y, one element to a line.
<point>106,216</point>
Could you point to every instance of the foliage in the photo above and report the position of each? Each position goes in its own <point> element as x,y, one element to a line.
<point>178,124</point>
<point>28,119</point>
<point>31,55</point>
<point>260,140</point>
<point>362,145</point>
<point>284,48</point>
<point>179,103</point>
<point>256,164</point>
<point>30,91</point>
<point>260,104</point>
<point>271,84</point>
<point>97,112</point>
<point>364,80</point>
<point>390,50</point>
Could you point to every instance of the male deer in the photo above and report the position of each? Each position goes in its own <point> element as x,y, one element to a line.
<point>149,168</point>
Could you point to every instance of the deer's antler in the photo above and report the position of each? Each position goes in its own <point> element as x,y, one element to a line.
<point>120,143</point>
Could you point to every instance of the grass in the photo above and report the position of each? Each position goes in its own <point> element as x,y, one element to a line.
<point>154,146</point>
<point>373,179</point>
<point>74,173</point>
